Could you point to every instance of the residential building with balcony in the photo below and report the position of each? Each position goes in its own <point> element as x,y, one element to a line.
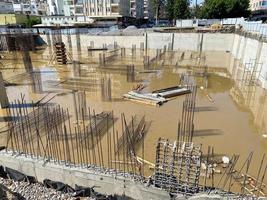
<point>148,10</point>
<point>137,9</point>
<point>104,8</point>
<point>259,9</point>
<point>32,7</point>
<point>55,7</point>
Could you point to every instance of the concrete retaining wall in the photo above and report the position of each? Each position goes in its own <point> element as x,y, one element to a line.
<point>218,47</point>
<point>182,41</point>
<point>104,183</point>
<point>247,50</point>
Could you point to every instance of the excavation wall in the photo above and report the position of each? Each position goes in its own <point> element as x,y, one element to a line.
<point>221,50</point>
<point>103,183</point>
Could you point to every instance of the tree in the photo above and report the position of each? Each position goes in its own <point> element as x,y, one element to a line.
<point>181,9</point>
<point>158,8</point>
<point>170,9</point>
<point>238,8</point>
<point>214,9</point>
<point>225,8</point>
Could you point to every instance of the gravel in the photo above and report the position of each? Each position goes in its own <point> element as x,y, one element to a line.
<point>10,189</point>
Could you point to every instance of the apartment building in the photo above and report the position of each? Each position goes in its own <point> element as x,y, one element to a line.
<point>259,9</point>
<point>137,9</point>
<point>55,7</point>
<point>6,7</point>
<point>86,11</point>
<point>103,8</point>
<point>31,7</point>
<point>148,9</point>
<point>257,5</point>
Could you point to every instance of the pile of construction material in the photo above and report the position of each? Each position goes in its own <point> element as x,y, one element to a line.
<point>10,189</point>
<point>157,97</point>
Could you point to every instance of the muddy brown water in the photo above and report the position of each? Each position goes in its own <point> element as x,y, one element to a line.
<point>231,120</point>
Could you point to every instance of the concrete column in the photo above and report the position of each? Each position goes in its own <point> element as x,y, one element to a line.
<point>172,42</point>
<point>3,95</point>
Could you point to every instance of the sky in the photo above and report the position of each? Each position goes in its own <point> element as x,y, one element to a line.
<point>198,1</point>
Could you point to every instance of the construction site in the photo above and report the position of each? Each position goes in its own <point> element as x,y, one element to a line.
<point>153,115</point>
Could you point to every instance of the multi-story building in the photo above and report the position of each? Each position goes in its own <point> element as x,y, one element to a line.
<point>258,5</point>
<point>137,9</point>
<point>84,11</point>
<point>103,8</point>
<point>108,11</point>
<point>148,9</point>
<point>31,7</point>
<point>259,9</point>
<point>6,7</point>
<point>55,7</point>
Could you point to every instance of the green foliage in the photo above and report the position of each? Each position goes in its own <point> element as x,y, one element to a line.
<point>170,9</point>
<point>181,9</point>
<point>225,8</point>
<point>33,21</point>
<point>159,8</point>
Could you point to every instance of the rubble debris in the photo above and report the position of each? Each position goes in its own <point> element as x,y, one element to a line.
<point>32,191</point>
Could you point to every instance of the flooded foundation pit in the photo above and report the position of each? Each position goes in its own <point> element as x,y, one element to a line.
<point>230,116</point>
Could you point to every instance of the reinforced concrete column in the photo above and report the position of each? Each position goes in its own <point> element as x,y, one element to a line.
<point>172,42</point>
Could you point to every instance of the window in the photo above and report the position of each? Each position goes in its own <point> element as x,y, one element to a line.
<point>264,3</point>
<point>79,10</point>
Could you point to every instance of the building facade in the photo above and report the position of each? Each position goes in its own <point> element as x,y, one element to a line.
<point>137,9</point>
<point>102,8</point>
<point>257,5</point>
<point>55,7</point>
<point>32,7</point>
<point>259,9</point>
<point>148,10</point>
<point>6,7</point>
